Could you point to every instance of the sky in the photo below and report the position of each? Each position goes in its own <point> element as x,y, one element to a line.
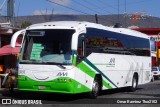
<point>87,7</point>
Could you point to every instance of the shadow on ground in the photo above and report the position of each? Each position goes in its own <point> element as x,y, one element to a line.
<point>58,97</point>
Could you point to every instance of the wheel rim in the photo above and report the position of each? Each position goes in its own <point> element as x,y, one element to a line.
<point>95,88</point>
<point>134,83</point>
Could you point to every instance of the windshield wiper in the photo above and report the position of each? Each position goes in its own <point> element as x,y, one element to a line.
<point>30,62</point>
<point>59,65</point>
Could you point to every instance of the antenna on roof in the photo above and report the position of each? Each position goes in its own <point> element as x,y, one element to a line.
<point>117,25</point>
<point>96,17</point>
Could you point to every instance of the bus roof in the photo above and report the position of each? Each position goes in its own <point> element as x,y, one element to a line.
<point>83,25</point>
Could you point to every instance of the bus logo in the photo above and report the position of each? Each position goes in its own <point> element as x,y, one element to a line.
<point>112,61</point>
<point>6,101</point>
<point>62,74</point>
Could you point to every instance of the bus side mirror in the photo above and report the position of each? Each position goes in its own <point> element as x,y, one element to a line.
<point>15,36</point>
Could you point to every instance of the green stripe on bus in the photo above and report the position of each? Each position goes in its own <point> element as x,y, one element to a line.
<point>106,85</point>
<point>94,67</point>
<point>91,73</point>
<point>74,54</point>
<point>86,69</point>
<point>74,60</point>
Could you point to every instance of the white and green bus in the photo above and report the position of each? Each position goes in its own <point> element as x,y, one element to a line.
<point>77,57</point>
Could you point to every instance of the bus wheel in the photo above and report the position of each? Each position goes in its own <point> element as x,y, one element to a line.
<point>134,83</point>
<point>95,89</point>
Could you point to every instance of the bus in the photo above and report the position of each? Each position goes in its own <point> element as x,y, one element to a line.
<point>82,57</point>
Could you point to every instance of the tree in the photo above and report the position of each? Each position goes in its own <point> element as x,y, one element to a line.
<point>25,24</point>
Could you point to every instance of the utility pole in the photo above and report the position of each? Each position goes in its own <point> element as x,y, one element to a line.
<point>10,11</point>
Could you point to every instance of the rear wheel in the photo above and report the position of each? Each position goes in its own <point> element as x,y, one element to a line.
<point>134,83</point>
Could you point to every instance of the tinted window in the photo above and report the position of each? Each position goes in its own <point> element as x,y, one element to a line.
<point>153,47</point>
<point>102,41</point>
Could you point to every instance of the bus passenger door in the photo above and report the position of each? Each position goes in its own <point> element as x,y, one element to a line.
<point>80,72</point>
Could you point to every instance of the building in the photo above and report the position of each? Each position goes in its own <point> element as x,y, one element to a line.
<point>8,55</point>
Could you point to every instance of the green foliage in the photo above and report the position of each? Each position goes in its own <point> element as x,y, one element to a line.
<point>25,24</point>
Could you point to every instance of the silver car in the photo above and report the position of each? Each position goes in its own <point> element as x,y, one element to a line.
<point>156,72</point>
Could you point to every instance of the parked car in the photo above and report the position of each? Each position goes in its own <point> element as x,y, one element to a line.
<point>156,72</point>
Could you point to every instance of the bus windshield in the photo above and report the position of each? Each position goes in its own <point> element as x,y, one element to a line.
<point>51,46</point>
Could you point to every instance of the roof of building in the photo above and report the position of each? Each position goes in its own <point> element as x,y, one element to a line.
<point>149,31</point>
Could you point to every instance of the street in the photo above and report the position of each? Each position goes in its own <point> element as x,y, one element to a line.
<point>148,92</point>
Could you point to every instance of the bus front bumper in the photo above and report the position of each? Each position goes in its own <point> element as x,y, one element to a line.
<point>58,85</point>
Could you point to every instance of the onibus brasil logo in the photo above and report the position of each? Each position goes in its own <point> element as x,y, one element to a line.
<point>14,101</point>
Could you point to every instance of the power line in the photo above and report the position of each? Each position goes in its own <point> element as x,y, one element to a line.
<point>102,9</point>
<point>91,10</point>
<point>67,7</point>
<point>98,7</point>
<point>133,3</point>
<point>140,2</point>
<point>85,6</point>
<point>102,2</point>
<point>73,9</point>
<point>3,4</point>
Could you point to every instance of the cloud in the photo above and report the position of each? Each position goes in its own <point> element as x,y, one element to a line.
<point>48,12</point>
<point>62,2</point>
<point>41,12</point>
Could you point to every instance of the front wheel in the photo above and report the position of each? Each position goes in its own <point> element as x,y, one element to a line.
<point>95,89</point>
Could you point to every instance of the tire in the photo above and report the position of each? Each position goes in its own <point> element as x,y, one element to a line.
<point>134,84</point>
<point>156,77</point>
<point>95,89</point>
<point>152,80</point>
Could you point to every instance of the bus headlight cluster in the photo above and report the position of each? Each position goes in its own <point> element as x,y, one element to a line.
<point>61,80</point>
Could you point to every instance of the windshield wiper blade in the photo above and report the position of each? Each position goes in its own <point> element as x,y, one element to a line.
<point>61,66</point>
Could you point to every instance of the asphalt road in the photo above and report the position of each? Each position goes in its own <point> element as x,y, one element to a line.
<point>147,95</point>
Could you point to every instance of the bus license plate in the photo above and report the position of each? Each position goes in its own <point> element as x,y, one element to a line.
<point>42,87</point>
